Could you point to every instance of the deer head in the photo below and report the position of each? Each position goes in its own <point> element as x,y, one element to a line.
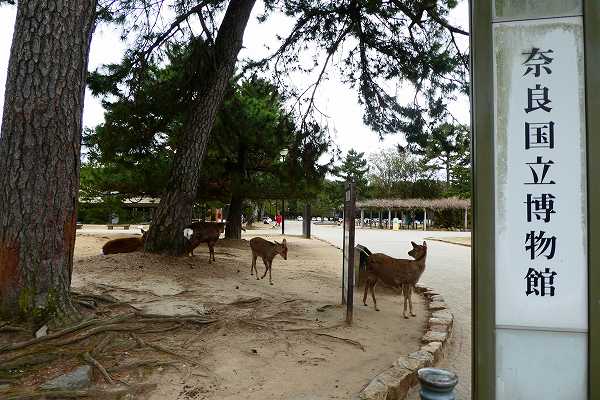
<point>143,235</point>
<point>418,251</point>
<point>282,249</point>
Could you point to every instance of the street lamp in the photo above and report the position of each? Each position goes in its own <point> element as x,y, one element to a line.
<point>283,153</point>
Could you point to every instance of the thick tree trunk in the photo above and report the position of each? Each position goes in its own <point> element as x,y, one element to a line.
<point>233,229</point>
<point>175,209</point>
<point>40,144</point>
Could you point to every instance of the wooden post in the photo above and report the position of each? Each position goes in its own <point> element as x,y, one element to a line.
<point>466,219</point>
<point>362,217</point>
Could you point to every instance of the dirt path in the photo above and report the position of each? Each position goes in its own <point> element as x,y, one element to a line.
<point>286,341</point>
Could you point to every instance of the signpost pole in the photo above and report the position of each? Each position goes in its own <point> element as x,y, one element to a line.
<point>348,250</point>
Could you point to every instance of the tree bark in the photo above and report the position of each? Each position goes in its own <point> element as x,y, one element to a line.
<point>40,143</point>
<point>233,229</point>
<point>175,209</point>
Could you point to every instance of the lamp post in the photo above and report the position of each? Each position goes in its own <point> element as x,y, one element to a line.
<point>283,153</point>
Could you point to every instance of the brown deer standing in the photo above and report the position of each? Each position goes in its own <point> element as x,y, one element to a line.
<point>397,273</point>
<point>267,251</point>
<point>203,232</point>
<point>124,245</point>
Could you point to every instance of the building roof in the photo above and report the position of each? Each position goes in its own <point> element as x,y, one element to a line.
<point>432,204</point>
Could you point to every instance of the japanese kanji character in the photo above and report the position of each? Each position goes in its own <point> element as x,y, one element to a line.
<point>539,245</point>
<point>539,134</point>
<point>537,98</point>
<point>539,170</point>
<point>542,207</point>
<point>537,60</point>
<point>540,283</point>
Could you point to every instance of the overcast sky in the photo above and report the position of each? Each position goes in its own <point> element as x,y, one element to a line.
<point>333,98</point>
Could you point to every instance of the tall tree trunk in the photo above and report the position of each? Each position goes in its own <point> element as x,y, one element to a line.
<point>40,144</point>
<point>233,229</point>
<point>175,209</point>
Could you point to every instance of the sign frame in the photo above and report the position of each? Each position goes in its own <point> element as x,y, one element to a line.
<point>483,256</point>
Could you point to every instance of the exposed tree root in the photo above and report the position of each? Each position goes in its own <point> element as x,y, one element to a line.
<point>9,328</point>
<point>138,364</point>
<point>245,301</point>
<point>102,344</point>
<point>157,347</point>
<point>95,363</point>
<point>76,394</point>
<point>350,341</point>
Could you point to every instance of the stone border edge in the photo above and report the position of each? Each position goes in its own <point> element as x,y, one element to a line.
<point>395,382</point>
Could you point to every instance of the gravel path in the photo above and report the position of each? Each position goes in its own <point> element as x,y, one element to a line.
<point>448,271</point>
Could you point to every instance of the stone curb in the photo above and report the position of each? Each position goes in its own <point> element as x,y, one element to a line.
<point>395,382</point>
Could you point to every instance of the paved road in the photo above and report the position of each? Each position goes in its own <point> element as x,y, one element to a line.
<point>448,271</point>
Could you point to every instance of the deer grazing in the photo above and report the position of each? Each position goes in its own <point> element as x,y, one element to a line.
<point>203,232</point>
<point>267,251</point>
<point>397,273</point>
<point>124,245</point>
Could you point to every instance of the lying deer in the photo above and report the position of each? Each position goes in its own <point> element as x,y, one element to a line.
<point>267,251</point>
<point>397,273</point>
<point>203,232</point>
<point>124,245</point>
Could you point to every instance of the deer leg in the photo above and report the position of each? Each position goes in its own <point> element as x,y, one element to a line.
<point>404,295</point>
<point>410,289</point>
<point>209,258</point>
<point>253,264</point>
<point>266,269</point>
<point>367,283</point>
<point>373,295</point>
<point>212,250</point>
<point>270,280</point>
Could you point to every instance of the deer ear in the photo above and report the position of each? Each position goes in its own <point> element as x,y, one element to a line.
<point>275,241</point>
<point>283,242</point>
<point>143,231</point>
<point>414,244</point>
<point>424,243</point>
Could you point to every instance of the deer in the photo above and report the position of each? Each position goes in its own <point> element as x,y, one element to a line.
<point>203,232</point>
<point>267,251</point>
<point>124,245</point>
<point>397,273</point>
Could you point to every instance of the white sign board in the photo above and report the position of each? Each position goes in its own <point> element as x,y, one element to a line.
<point>541,208</point>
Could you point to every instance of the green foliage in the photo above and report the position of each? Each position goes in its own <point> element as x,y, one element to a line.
<point>354,167</point>
<point>372,41</point>
<point>130,153</point>
<point>392,173</point>
<point>330,200</point>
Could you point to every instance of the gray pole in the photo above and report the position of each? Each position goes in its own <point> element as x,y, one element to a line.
<point>424,219</point>
<point>362,217</point>
<point>466,219</point>
<point>306,221</point>
<point>283,217</point>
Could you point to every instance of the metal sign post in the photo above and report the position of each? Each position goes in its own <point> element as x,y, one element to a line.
<point>348,251</point>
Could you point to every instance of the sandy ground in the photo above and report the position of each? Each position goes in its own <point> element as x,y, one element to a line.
<point>448,272</point>
<point>284,341</point>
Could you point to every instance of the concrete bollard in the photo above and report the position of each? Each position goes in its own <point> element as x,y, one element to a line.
<point>437,384</point>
